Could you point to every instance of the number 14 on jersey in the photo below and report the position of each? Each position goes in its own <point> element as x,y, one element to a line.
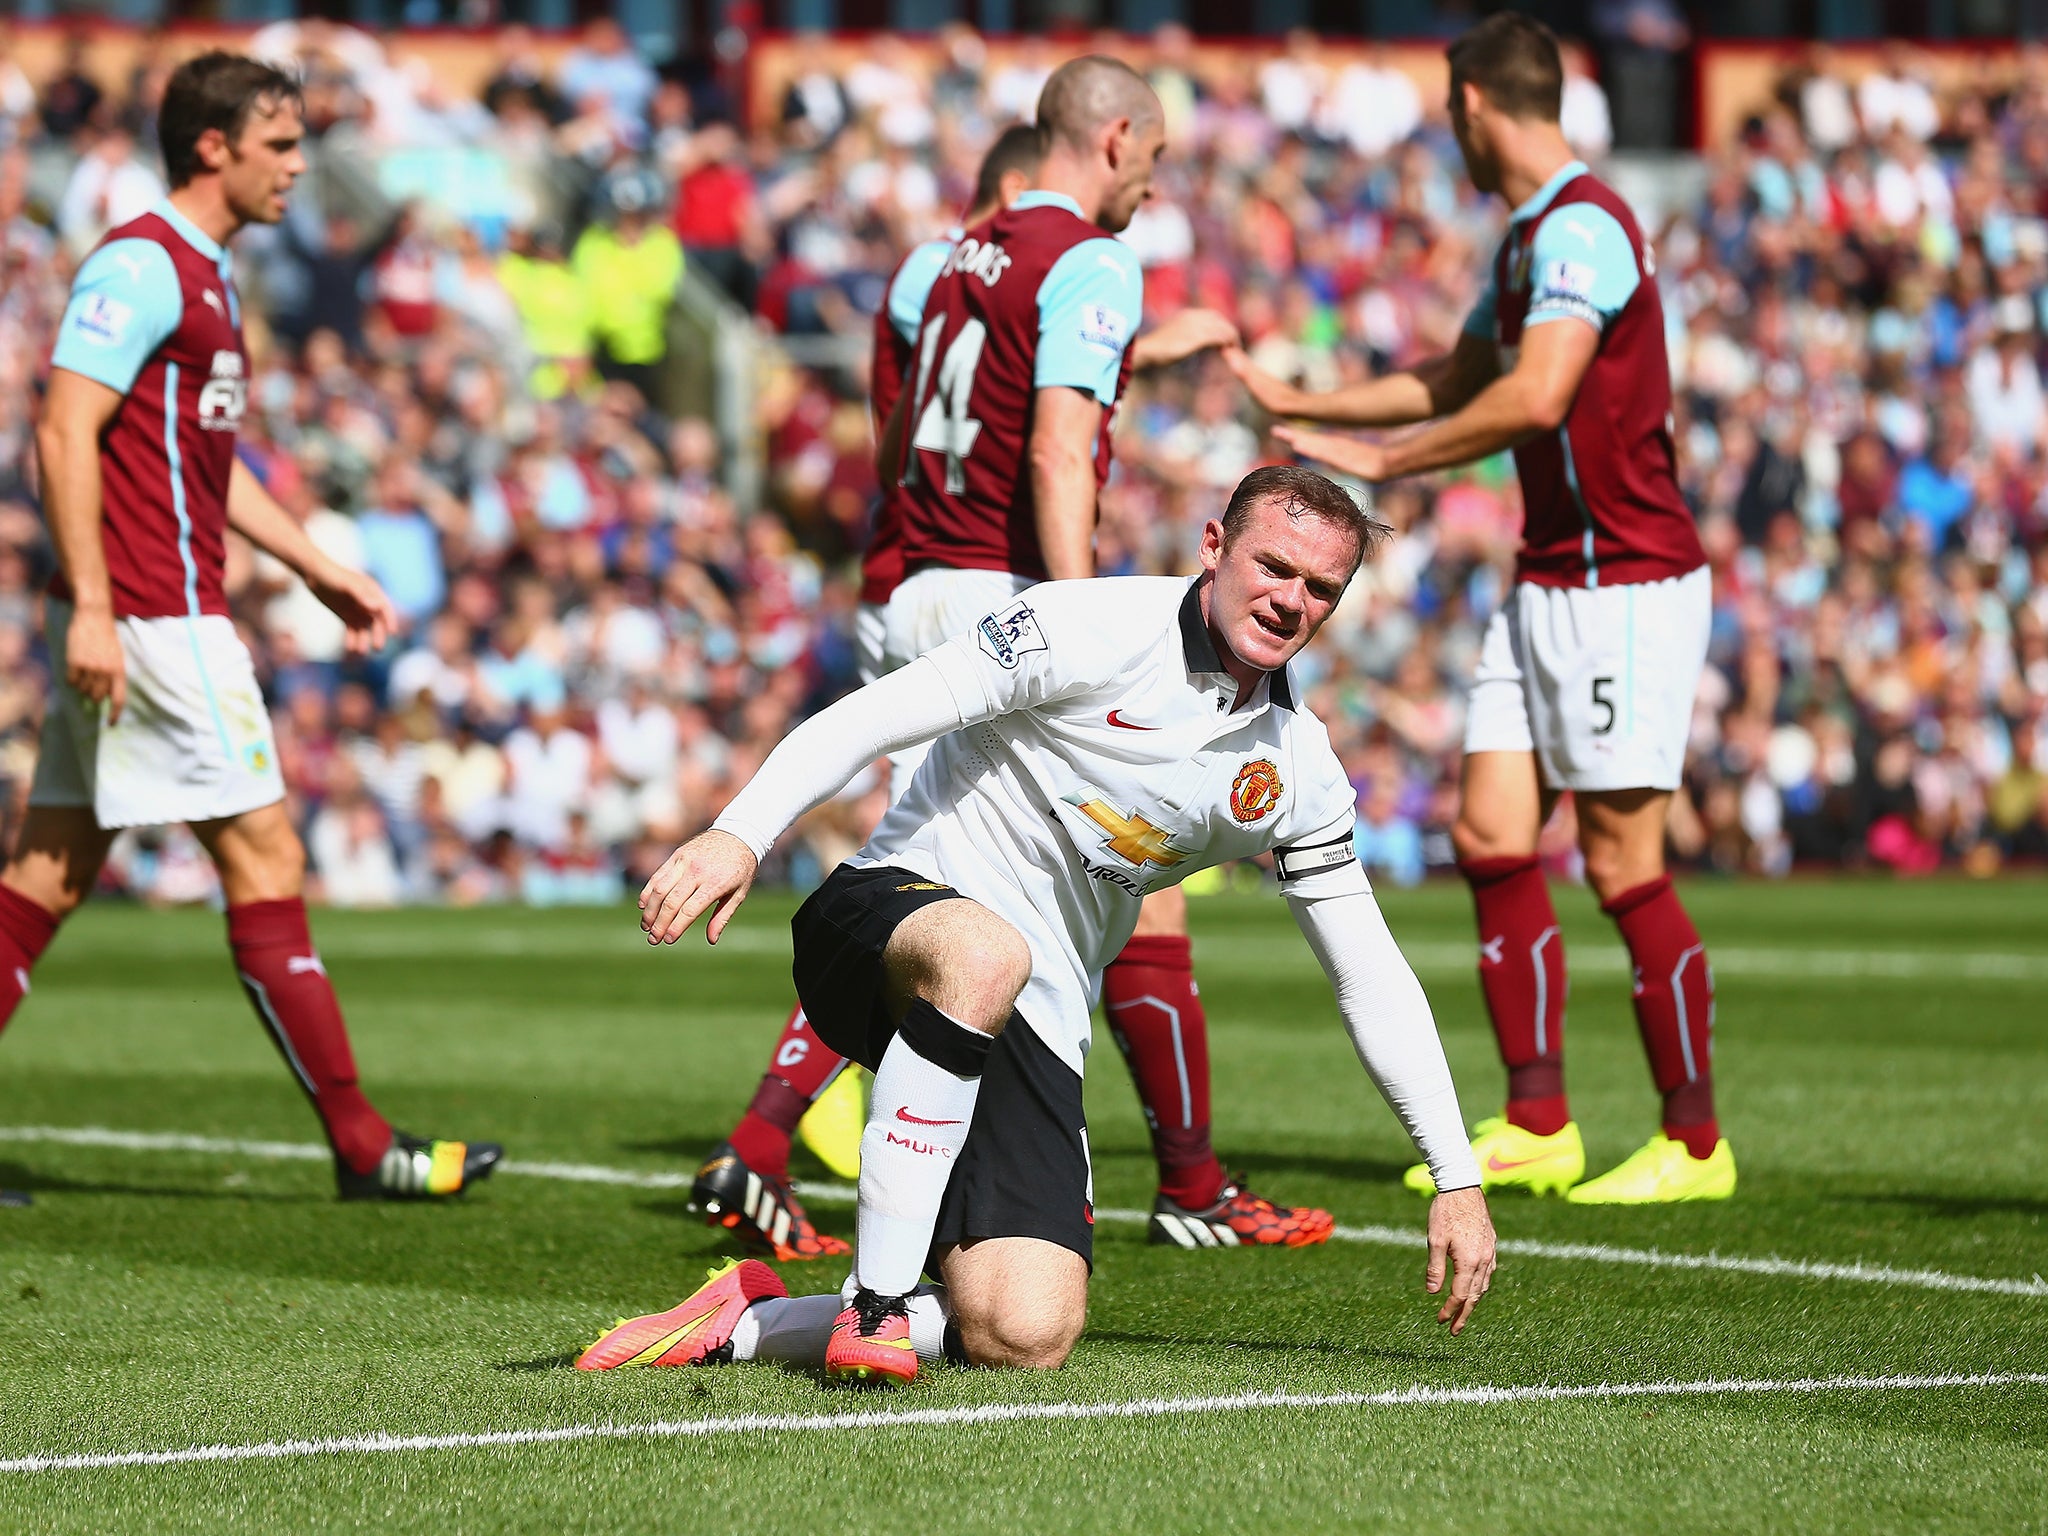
<point>943,425</point>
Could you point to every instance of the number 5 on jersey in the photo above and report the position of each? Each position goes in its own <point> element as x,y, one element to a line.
<point>943,425</point>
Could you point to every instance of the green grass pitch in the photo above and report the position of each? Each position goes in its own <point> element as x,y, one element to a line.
<point>1881,1062</point>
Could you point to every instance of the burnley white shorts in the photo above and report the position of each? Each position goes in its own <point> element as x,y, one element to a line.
<point>927,609</point>
<point>193,743</point>
<point>870,630</point>
<point>1597,682</point>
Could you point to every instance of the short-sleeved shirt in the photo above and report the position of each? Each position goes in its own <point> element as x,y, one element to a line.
<point>153,314</point>
<point>897,324</point>
<point>1601,498</point>
<point>1033,298</point>
<point>1105,758</point>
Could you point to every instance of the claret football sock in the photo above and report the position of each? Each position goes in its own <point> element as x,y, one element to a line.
<point>1521,972</point>
<point>26,928</point>
<point>282,973</point>
<point>1155,1014</point>
<point>798,1071</point>
<point>925,1090</point>
<point>1674,1000</point>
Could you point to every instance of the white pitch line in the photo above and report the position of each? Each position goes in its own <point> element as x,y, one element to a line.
<point>1377,1236</point>
<point>1008,1413</point>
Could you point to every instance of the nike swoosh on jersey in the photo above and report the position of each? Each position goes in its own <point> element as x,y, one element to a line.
<point>903,1113</point>
<point>1127,725</point>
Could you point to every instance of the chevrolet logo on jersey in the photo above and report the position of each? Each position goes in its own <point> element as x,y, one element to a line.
<point>1131,838</point>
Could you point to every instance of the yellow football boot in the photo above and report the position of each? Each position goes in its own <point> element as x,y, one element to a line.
<point>1512,1158</point>
<point>832,1126</point>
<point>1662,1171</point>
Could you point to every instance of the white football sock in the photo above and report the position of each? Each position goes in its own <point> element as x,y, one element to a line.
<point>917,1123</point>
<point>792,1330</point>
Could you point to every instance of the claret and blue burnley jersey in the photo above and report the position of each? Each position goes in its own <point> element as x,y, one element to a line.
<point>154,314</point>
<point>897,323</point>
<point>1103,760</point>
<point>1034,298</point>
<point>1600,494</point>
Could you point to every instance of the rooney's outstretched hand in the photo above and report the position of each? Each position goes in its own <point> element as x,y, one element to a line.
<point>713,869</point>
<point>1460,1231</point>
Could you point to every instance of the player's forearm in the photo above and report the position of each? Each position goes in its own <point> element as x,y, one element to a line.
<point>818,759</point>
<point>255,514</point>
<point>1387,1016</point>
<point>1395,400</point>
<point>1507,412</point>
<point>1063,496</point>
<point>68,454</point>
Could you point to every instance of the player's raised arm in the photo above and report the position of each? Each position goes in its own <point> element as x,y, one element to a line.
<point>1432,388</point>
<point>1175,340</point>
<point>76,411</point>
<point>1389,1021</point>
<point>1534,398</point>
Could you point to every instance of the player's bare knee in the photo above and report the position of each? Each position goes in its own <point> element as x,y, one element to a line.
<point>44,884</point>
<point>964,960</point>
<point>1021,1338</point>
<point>1473,840</point>
<point>1613,867</point>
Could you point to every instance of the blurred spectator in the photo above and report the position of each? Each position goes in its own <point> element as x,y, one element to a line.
<point>401,539</point>
<point>629,265</point>
<point>1641,41</point>
<point>108,187</point>
<point>554,310</point>
<point>606,69</point>
<point>72,96</point>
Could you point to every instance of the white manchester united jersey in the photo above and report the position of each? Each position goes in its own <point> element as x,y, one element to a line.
<point>1100,759</point>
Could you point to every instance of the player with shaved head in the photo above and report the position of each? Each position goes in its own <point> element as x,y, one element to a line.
<point>1003,441</point>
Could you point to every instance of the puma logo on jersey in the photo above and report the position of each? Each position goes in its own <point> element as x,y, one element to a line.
<point>214,299</point>
<point>304,965</point>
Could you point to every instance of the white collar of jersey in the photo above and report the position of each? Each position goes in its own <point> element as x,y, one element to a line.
<point>1198,649</point>
<point>1039,198</point>
<point>1540,198</point>
<point>195,237</point>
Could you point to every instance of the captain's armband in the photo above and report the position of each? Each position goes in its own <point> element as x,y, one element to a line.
<point>1311,859</point>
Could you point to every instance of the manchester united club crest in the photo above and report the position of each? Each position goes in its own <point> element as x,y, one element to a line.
<point>1255,791</point>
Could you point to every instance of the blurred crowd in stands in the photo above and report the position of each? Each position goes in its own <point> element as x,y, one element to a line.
<point>473,379</point>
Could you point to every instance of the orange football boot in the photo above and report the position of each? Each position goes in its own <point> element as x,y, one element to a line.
<point>1239,1218</point>
<point>871,1341</point>
<point>697,1331</point>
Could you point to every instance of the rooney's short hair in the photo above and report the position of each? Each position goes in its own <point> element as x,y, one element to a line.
<point>1304,493</point>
